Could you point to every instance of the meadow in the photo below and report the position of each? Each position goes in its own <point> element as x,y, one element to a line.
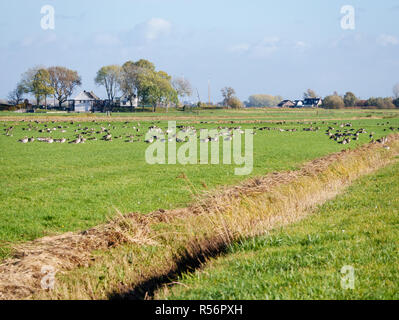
<point>48,189</point>
<point>304,261</point>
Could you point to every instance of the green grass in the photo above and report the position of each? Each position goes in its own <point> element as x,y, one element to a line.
<point>244,114</point>
<point>360,229</point>
<point>48,189</point>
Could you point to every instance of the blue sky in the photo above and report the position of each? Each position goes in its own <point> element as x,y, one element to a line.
<point>255,46</point>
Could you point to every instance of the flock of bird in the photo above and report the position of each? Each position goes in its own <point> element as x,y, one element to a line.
<point>344,134</point>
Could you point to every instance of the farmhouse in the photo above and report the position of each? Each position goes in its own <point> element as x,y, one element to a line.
<point>312,103</point>
<point>84,102</point>
<point>286,104</point>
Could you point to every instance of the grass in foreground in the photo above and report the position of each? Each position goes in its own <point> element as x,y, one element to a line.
<point>161,242</point>
<point>303,261</point>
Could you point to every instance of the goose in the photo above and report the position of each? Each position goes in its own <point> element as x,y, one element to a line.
<point>108,137</point>
<point>24,140</point>
<point>31,139</point>
<point>76,141</point>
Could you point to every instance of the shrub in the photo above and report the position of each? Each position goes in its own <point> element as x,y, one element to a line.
<point>333,102</point>
<point>381,103</point>
<point>235,103</point>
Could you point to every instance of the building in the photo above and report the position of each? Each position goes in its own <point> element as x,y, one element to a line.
<point>312,103</point>
<point>286,104</point>
<point>298,103</point>
<point>125,102</point>
<point>84,102</point>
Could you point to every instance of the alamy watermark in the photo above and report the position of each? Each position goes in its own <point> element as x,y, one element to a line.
<point>182,146</point>
<point>48,20</point>
<point>348,278</point>
<point>348,21</point>
<point>48,280</point>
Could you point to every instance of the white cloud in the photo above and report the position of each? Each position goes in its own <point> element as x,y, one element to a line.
<point>154,29</point>
<point>387,40</point>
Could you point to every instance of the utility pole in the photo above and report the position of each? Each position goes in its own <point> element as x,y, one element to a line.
<point>209,92</point>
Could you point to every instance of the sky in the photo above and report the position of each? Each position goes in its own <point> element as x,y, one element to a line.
<point>255,46</point>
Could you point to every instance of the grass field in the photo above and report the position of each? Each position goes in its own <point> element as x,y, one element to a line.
<point>303,261</point>
<point>245,114</point>
<point>48,189</point>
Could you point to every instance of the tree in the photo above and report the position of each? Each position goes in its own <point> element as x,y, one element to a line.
<point>145,64</point>
<point>42,85</point>
<point>36,81</point>
<point>381,103</point>
<point>227,93</point>
<point>235,103</point>
<point>396,91</point>
<point>396,102</point>
<point>109,77</point>
<point>16,96</point>
<point>63,81</point>
<point>182,87</point>
<point>263,100</point>
<point>155,88</point>
<point>350,99</point>
<point>333,102</point>
<point>309,94</point>
<point>128,81</point>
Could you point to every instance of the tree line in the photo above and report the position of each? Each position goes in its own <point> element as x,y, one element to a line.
<point>141,80</point>
<point>138,79</point>
<point>349,100</point>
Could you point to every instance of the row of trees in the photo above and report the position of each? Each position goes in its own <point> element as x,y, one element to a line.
<point>140,79</point>
<point>349,100</point>
<point>41,82</point>
<point>133,79</point>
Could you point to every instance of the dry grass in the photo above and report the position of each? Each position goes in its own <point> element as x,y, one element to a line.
<point>160,245</point>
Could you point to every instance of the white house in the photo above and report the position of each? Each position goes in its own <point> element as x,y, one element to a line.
<point>85,101</point>
<point>124,102</point>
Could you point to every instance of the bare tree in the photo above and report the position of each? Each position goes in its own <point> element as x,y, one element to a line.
<point>228,93</point>
<point>182,87</point>
<point>63,81</point>
<point>309,94</point>
<point>16,96</point>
